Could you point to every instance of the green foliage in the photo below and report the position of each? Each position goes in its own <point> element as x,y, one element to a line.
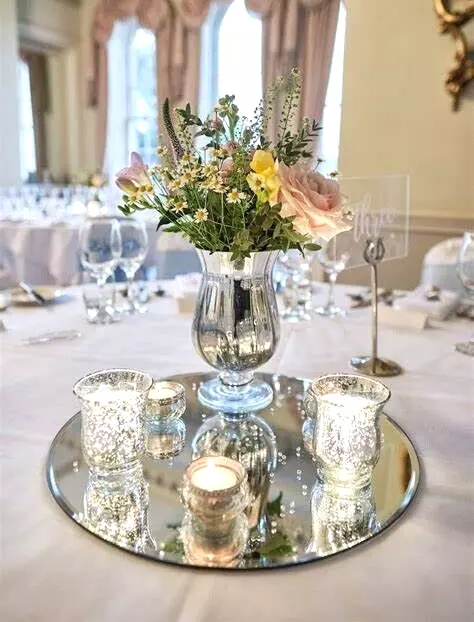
<point>205,194</point>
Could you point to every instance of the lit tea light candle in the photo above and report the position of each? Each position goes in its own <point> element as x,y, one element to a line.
<point>166,400</point>
<point>160,392</point>
<point>212,476</point>
<point>348,403</point>
<point>215,495</point>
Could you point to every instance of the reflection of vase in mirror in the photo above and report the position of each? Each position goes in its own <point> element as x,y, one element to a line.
<point>249,440</point>
<point>236,329</point>
<point>116,508</point>
<point>340,518</point>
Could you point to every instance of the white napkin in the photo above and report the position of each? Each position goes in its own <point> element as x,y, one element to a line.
<point>185,290</point>
<point>435,309</point>
<point>402,318</point>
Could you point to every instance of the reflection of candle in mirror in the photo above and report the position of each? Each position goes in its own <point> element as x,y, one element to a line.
<point>213,477</point>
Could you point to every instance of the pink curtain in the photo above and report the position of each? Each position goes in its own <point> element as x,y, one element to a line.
<point>176,24</point>
<point>296,33</point>
<point>299,33</point>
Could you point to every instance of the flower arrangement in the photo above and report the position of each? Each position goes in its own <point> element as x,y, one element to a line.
<point>238,192</point>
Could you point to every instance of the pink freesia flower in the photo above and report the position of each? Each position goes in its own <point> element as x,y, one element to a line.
<point>134,178</point>
<point>313,200</point>
<point>230,146</point>
<point>227,167</point>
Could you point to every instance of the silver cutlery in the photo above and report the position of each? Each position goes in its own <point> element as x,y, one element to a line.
<point>54,336</point>
<point>32,292</point>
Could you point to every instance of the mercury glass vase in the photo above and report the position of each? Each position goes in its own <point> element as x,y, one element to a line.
<point>236,329</point>
<point>343,413</point>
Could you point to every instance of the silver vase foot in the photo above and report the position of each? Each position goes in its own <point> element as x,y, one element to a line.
<point>253,396</point>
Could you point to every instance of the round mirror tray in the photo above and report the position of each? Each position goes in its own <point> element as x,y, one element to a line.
<point>299,521</point>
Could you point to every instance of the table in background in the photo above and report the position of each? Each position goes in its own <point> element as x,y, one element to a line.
<point>42,252</point>
<point>420,571</point>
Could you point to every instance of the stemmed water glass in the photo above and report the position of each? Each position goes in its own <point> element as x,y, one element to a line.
<point>134,250</point>
<point>465,270</point>
<point>333,258</point>
<point>297,291</point>
<point>100,245</point>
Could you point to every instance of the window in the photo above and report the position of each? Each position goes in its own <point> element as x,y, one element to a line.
<point>132,114</point>
<point>331,119</point>
<point>231,58</point>
<point>27,132</point>
<point>142,126</point>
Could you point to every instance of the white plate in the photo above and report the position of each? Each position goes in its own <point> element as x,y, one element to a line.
<point>50,293</point>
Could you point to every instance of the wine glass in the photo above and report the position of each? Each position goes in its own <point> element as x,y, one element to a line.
<point>297,291</point>
<point>100,246</point>
<point>134,250</point>
<point>333,258</point>
<point>465,270</point>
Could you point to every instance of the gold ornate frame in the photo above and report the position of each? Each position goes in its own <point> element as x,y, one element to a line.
<point>462,71</point>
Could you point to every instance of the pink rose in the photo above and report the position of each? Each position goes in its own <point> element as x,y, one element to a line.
<point>314,200</point>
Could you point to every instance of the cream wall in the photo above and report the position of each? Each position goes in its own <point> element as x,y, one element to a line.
<point>396,116</point>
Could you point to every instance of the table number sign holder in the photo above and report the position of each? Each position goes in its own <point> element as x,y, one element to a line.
<point>380,208</point>
<point>373,365</point>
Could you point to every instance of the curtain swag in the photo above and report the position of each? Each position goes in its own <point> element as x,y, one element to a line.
<point>296,33</point>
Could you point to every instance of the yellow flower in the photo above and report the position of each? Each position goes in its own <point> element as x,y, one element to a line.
<point>201,215</point>
<point>162,150</point>
<point>264,181</point>
<point>262,161</point>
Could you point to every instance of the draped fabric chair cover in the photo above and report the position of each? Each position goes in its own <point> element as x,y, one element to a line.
<point>440,265</point>
<point>296,33</point>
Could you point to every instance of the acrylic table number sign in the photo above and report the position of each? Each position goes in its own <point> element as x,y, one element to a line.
<point>380,219</point>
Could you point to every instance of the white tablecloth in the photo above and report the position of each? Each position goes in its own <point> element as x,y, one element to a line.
<point>43,253</point>
<point>421,570</point>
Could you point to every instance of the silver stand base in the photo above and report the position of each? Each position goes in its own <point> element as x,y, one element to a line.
<point>382,367</point>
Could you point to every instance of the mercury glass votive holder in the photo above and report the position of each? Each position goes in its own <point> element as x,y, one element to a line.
<point>344,410</point>
<point>165,431</point>
<point>215,495</point>
<point>113,404</point>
